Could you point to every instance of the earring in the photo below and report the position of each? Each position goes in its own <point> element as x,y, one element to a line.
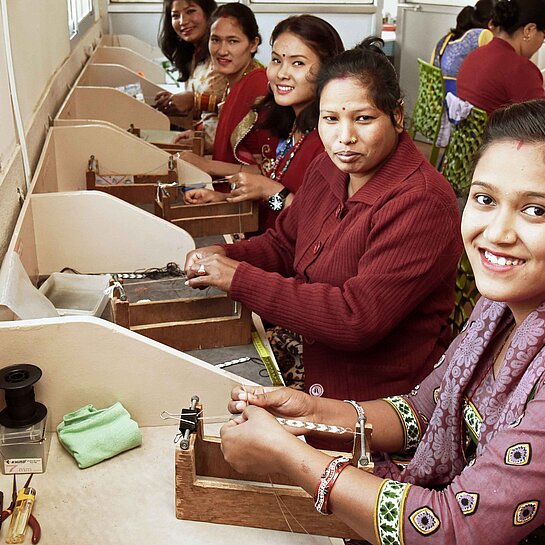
<point>526,38</point>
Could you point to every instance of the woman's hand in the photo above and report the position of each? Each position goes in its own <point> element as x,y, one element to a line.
<point>196,160</point>
<point>162,99</point>
<point>252,187</point>
<point>195,257</point>
<point>210,267</point>
<point>254,442</point>
<point>170,104</point>
<point>203,196</point>
<point>282,402</point>
<point>184,136</point>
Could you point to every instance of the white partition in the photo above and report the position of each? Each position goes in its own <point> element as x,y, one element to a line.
<point>117,365</point>
<point>67,150</point>
<point>93,232</point>
<point>91,104</point>
<point>131,42</point>
<point>115,75</point>
<point>130,59</point>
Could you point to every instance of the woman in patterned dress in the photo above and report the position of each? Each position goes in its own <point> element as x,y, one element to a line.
<point>471,31</point>
<point>474,427</point>
<point>183,39</point>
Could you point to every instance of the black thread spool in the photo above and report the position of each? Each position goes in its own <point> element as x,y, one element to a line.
<point>21,410</point>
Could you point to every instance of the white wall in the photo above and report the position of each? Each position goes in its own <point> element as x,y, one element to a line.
<point>352,22</point>
<point>45,64</point>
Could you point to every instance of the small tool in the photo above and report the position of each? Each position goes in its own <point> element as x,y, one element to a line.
<point>21,507</point>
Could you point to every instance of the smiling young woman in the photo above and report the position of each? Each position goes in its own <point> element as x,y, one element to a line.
<point>183,38</point>
<point>360,269</point>
<point>472,431</point>
<point>267,151</point>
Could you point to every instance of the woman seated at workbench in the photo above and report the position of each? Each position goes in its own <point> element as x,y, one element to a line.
<point>477,474</point>
<point>183,40</point>
<point>359,271</point>
<point>501,72</point>
<point>471,31</point>
<point>263,168</point>
<point>234,39</point>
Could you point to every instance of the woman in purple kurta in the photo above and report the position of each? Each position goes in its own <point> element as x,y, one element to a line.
<point>473,430</point>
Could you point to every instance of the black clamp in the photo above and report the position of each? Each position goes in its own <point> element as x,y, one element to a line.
<point>188,422</point>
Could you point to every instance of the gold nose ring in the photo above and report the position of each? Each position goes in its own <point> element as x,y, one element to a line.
<point>353,140</point>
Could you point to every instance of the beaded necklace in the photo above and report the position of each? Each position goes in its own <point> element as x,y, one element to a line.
<point>273,170</point>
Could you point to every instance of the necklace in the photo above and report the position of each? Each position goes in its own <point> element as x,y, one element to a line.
<point>273,170</point>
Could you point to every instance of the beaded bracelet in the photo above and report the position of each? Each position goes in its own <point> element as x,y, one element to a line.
<point>326,482</point>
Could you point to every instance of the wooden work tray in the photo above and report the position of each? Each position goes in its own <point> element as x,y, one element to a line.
<point>209,490</point>
<point>188,323</point>
<point>202,220</point>
<point>160,139</point>
<point>142,189</point>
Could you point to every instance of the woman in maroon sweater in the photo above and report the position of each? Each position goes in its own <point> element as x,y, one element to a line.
<point>501,72</point>
<point>362,264</point>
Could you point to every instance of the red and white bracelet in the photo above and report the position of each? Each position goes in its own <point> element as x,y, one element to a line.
<point>327,480</point>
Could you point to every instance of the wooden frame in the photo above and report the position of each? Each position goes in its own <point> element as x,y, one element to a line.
<point>209,490</point>
<point>186,324</point>
<point>142,191</point>
<point>201,220</point>
<point>194,144</point>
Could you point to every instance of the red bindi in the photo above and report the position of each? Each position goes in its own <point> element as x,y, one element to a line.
<point>344,108</point>
<point>520,144</point>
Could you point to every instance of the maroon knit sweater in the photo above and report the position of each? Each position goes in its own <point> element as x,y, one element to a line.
<point>495,75</point>
<point>368,281</point>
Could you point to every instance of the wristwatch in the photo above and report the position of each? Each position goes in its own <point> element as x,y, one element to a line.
<point>277,201</point>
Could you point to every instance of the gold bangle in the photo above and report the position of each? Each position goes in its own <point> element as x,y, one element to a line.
<point>212,103</point>
<point>197,101</point>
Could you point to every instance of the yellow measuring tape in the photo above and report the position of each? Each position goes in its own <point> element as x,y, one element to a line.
<point>275,377</point>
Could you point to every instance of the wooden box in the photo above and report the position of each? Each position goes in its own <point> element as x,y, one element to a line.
<point>138,189</point>
<point>186,324</point>
<point>202,220</point>
<point>163,140</point>
<point>209,490</point>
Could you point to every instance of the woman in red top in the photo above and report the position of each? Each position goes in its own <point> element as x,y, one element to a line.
<point>362,265</point>
<point>501,72</point>
<point>289,112</point>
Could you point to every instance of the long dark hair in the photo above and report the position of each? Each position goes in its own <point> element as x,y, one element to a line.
<point>524,121</point>
<point>510,15</point>
<point>368,64</point>
<point>181,54</point>
<point>244,16</point>
<point>325,41</point>
<point>477,16</point>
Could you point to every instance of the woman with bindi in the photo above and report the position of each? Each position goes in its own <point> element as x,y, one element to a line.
<point>359,271</point>
<point>183,39</point>
<point>234,40</point>
<point>472,432</point>
<point>266,153</point>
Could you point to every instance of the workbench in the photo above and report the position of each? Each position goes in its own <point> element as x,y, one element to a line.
<point>128,499</point>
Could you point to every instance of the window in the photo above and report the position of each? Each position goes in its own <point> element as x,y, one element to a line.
<point>79,16</point>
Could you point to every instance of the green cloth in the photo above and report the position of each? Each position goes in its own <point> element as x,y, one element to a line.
<point>92,435</point>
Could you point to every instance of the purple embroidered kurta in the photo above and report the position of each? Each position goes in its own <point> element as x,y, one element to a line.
<point>478,473</point>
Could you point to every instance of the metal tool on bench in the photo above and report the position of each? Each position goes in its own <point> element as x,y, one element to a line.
<point>21,510</point>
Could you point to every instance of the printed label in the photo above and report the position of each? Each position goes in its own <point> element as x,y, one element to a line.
<point>23,465</point>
